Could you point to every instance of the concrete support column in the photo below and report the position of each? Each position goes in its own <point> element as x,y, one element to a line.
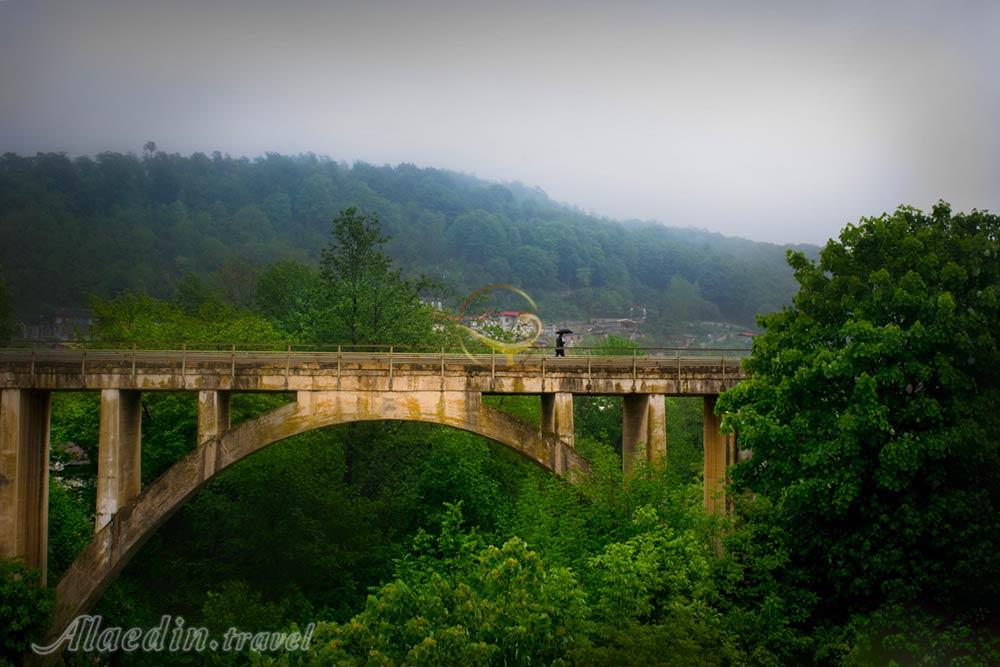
<point>644,429</point>
<point>119,460</point>
<point>719,454</point>
<point>656,428</point>
<point>557,417</point>
<point>213,414</point>
<point>24,476</point>
<point>213,421</point>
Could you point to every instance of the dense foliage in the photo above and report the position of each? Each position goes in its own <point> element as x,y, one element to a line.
<point>458,599</point>
<point>24,610</point>
<point>872,415</point>
<point>7,325</point>
<point>865,524</point>
<point>71,227</point>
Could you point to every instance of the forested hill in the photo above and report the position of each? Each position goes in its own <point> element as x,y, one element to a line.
<point>71,227</point>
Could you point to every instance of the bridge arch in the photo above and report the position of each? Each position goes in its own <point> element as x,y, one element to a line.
<point>114,545</point>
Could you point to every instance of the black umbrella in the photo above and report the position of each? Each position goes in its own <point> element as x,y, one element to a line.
<point>564,331</point>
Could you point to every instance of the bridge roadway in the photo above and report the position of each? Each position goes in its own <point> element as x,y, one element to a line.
<point>673,372</point>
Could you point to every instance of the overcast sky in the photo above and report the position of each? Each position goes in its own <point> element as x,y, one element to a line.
<point>780,123</point>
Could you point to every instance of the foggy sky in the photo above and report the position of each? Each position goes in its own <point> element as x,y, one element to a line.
<point>781,122</point>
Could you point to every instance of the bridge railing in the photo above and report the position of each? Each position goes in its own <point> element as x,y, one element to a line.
<point>79,358</point>
<point>168,346</point>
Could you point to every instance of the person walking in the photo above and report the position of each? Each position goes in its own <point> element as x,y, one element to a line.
<point>561,342</point>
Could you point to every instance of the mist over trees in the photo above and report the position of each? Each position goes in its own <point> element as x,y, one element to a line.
<point>114,222</point>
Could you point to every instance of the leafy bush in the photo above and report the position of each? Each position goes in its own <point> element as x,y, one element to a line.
<point>24,610</point>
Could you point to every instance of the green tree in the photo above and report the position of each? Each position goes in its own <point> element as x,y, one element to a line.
<point>71,527</point>
<point>143,319</point>
<point>685,433</point>
<point>461,601</point>
<point>682,301</point>
<point>479,236</point>
<point>282,294</point>
<point>617,346</point>
<point>7,325</point>
<point>24,610</point>
<point>278,208</point>
<point>652,599</point>
<point>251,224</point>
<point>871,410</point>
<point>193,294</point>
<point>534,267</point>
<point>364,299</point>
<point>236,281</point>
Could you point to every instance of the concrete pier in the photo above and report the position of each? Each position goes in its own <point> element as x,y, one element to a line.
<point>644,429</point>
<point>557,418</point>
<point>557,415</point>
<point>213,414</point>
<point>119,457</point>
<point>24,476</point>
<point>719,454</point>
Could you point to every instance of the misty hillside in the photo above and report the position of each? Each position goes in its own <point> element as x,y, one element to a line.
<point>71,227</point>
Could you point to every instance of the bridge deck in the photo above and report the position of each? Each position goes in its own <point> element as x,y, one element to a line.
<point>695,372</point>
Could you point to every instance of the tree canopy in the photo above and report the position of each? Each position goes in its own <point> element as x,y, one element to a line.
<point>364,299</point>
<point>871,411</point>
<point>70,227</point>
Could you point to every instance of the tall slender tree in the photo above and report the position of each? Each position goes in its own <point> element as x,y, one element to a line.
<point>364,299</point>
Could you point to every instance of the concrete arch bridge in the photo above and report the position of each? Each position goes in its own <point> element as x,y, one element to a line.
<point>330,388</point>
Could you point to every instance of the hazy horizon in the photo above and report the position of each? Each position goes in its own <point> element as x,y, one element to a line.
<point>779,123</point>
